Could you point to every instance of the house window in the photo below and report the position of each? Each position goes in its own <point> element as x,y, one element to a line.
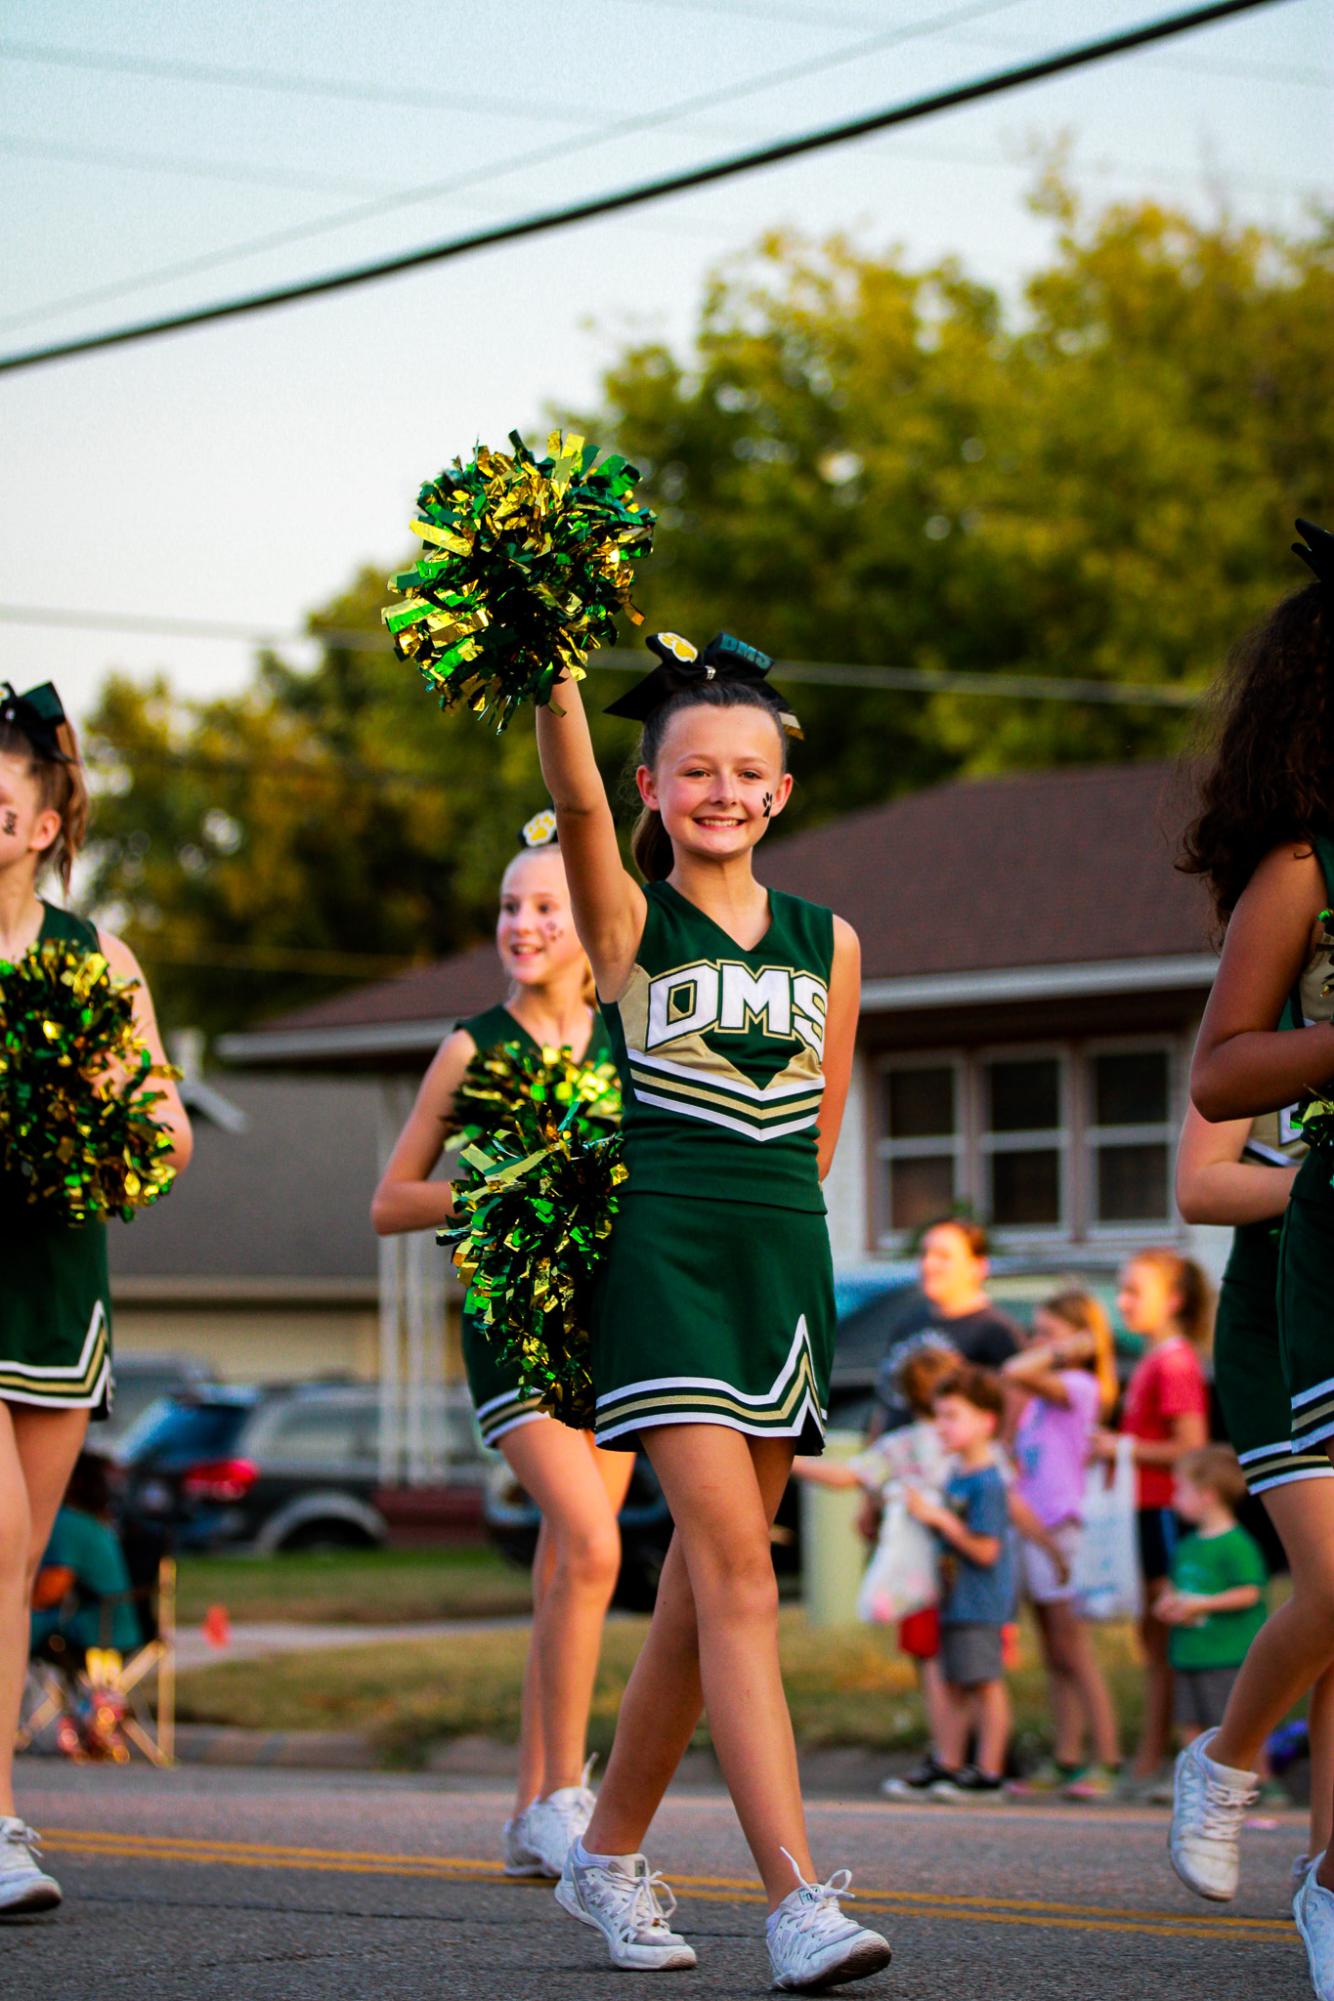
<point>1130,1135</point>
<point>1074,1141</point>
<point>1023,1141</point>
<point>921,1145</point>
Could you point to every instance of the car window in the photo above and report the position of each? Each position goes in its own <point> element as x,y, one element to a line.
<point>329,1434</point>
<point>186,1430</point>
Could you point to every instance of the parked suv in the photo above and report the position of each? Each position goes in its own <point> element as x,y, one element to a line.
<point>140,1380</point>
<point>265,1468</point>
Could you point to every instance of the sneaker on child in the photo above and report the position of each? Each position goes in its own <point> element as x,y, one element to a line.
<point>551,1824</point>
<point>917,1783</point>
<point>969,1786</point>
<point>1207,1814</point>
<point>1099,1782</point>
<point>1313,1908</point>
<point>617,1896</point>
<point>25,1886</point>
<point>814,1944</point>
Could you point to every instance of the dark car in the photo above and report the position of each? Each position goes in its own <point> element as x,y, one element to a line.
<point>274,1468</point>
<point>140,1381</point>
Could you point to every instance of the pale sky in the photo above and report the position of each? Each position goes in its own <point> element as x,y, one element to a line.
<point>243,472</point>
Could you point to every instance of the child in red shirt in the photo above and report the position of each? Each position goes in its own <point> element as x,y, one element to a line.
<point>1166,1299</point>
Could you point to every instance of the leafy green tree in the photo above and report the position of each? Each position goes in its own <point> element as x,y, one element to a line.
<point>856,462</point>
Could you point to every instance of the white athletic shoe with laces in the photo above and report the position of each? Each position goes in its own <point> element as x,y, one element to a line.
<point>629,1907</point>
<point>1208,1808</point>
<point>813,1944</point>
<point>551,1824</point>
<point>1313,1908</point>
<point>24,1885</point>
<point>516,1856</point>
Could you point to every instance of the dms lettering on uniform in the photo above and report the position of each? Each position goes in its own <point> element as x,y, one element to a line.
<point>731,998</point>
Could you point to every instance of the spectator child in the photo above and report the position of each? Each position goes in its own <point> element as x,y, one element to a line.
<point>1165,1299</point>
<point>1214,1604</point>
<point>914,1456</point>
<point>1068,1371</point>
<point>972,1523</point>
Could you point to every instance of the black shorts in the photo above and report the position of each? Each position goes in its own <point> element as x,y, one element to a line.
<point>1158,1531</point>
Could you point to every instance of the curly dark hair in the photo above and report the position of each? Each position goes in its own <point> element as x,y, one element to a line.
<point>1268,776</point>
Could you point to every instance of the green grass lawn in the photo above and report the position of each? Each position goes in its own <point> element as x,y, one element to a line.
<point>846,1685</point>
<point>374,1586</point>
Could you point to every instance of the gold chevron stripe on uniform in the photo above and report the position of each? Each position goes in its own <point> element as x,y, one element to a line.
<point>676,1087</point>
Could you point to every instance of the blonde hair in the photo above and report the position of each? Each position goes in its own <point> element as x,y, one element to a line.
<point>1087,1315</point>
<point>62,789</point>
<point>1216,1470</point>
<point>1195,1311</point>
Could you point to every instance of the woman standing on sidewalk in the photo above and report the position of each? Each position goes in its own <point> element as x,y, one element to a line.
<point>733,1011</point>
<point>55,1301</point>
<point>577,1487</point>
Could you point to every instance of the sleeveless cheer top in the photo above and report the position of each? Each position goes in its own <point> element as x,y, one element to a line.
<point>496,1025</point>
<point>1274,1136</point>
<point>55,1293</point>
<point>721,1054</point>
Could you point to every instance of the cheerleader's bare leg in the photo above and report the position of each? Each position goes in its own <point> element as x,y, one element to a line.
<point>38,1449</point>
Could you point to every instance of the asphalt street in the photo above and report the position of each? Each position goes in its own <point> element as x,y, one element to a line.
<point>245,1885</point>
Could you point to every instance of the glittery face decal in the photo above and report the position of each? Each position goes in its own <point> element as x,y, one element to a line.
<point>11,821</point>
<point>768,804</point>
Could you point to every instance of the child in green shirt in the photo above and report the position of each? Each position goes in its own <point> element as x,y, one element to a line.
<point>1214,1603</point>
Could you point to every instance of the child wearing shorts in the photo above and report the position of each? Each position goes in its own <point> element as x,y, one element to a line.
<point>972,1523</point>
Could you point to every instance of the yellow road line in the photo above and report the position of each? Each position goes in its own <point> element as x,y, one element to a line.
<point>109,1844</point>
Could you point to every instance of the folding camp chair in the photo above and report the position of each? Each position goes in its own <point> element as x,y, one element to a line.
<point>100,1702</point>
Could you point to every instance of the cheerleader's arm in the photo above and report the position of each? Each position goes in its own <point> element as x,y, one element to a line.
<point>169,1110</point>
<point>609,906</point>
<point>407,1198</point>
<point>840,1037</point>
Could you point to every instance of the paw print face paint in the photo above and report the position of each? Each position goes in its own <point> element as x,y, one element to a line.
<point>10,821</point>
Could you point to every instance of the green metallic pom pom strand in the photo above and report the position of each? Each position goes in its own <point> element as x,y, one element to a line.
<point>527,565</point>
<point>534,1209</point>
<point>78,1138</point>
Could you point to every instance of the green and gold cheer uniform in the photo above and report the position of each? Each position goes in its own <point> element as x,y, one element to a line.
<point>715,1304</point>
<point>1250,1370</point>
<point>498,1402</point>
<point>55,1294</point>
<point>1306,1253</point>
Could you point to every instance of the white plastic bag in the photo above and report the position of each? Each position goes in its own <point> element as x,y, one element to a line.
<point>902,1576</point>
<point>1106,1580</point>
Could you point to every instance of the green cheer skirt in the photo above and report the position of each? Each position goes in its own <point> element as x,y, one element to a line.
<point>55,1312</point>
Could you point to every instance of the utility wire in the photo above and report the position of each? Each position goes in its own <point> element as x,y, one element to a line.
<point>402,96</point>
<point>189,166</point>
<point>628,660</point>
<point>620,199</point>
<point>489,171</point>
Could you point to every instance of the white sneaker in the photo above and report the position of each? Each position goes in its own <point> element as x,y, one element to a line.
<point>629,1907</point>
<point>813,1944</point>
<point>515,1854</point>
<point>550,1825</point>
<point>24,1886</point>
<point>1208,1808</point>
<point>1313,1908</point>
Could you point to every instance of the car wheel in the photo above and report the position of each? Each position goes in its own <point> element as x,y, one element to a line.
<point>323,1538</point>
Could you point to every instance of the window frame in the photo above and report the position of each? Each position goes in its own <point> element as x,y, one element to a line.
<point>1144,1133</point>
<point>987,1144</point>
<point>885,1148</point>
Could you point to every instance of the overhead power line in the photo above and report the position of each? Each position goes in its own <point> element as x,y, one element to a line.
<point>705,175</point>
<point>489,171</point>
<point>629,660</point>
<point>189,165</point>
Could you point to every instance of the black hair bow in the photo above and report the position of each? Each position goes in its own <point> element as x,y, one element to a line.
<point>682,666</point>
<point>1319,557</point>
<point>38,714</point>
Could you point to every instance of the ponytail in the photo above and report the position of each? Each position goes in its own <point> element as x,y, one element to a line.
<point>1195,1296</point>
<point>651,846</point>
<point>63,789</point>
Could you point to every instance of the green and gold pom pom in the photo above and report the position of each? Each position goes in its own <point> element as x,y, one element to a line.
<point>527,564</point>
<point>77,1134</point>
<point>534,1208</point>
